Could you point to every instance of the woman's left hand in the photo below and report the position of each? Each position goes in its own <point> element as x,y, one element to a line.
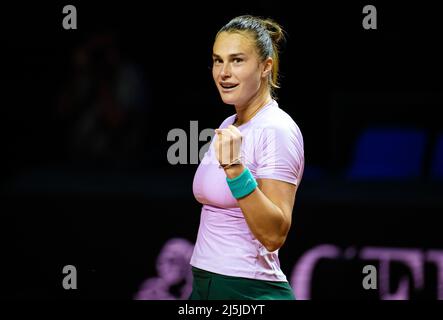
<point>228,144</point>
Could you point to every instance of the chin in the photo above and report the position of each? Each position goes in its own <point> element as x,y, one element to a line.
<point>228,99</point>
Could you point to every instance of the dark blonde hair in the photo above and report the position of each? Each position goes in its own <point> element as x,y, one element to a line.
<point>267,35</point>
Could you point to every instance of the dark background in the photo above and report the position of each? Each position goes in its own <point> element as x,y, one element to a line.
<point>106,200</point>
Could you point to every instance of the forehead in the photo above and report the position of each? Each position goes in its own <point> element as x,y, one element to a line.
<point>228,43</point>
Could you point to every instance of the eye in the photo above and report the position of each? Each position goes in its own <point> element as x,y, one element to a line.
<point>237,60</point>
<point>217,61</point>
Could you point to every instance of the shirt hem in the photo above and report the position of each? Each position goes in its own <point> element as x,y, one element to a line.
<point>242,274</point>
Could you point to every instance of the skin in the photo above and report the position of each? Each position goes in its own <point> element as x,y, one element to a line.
<point>268,209</point>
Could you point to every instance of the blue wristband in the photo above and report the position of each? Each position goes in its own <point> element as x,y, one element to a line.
<point>242,185</point>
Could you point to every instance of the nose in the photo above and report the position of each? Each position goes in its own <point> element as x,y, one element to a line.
<point>225,71</point>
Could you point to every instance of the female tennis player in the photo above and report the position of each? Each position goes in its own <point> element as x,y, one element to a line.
<point>247,181</point>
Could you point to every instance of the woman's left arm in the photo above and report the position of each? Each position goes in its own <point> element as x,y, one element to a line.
<point>268,209</point>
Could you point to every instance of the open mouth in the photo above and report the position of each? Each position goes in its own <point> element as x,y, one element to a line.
<point>228,86</point>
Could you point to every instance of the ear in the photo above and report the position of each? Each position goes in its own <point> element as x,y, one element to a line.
<point>267,67</point>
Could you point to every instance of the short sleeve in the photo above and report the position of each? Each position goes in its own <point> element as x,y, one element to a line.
<point>279,153</point>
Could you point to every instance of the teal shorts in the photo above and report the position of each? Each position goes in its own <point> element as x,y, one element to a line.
<point>213,286</point>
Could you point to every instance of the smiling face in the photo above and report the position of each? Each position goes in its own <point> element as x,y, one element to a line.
<point>238,72</point>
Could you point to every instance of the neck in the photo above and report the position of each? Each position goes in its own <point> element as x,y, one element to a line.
<point>247,111</point>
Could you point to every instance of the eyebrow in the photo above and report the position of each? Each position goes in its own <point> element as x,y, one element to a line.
<point>232,55</point>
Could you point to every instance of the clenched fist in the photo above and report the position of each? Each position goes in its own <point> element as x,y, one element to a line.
<point>228,144</point>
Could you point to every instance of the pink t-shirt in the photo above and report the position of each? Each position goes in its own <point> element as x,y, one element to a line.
<point>272,148</point>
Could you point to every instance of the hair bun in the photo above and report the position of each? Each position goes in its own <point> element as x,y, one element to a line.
<point>274,29</point>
